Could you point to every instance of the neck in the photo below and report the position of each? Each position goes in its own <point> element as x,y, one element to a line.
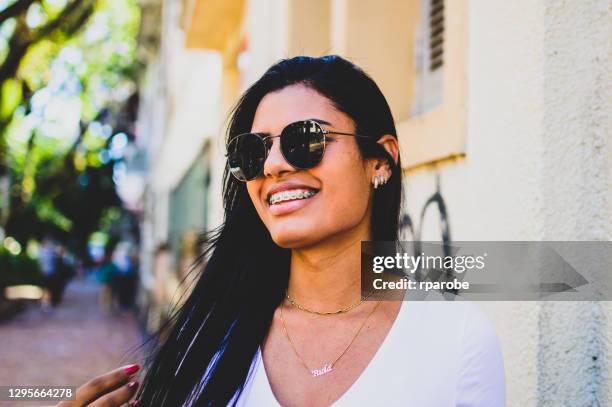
<point>327,276</point>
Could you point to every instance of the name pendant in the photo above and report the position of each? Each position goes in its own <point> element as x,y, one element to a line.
<point>320,372</point>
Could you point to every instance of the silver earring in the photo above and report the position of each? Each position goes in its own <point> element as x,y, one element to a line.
<point>375,182</point>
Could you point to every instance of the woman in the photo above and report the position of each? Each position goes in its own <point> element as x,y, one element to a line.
<point>276,316</point>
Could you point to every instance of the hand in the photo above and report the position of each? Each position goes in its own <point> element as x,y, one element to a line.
<point>111,389</point>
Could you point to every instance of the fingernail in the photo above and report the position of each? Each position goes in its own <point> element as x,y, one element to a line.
<point>134,403</point>
<point>131,369</point>
<point>132,385</point>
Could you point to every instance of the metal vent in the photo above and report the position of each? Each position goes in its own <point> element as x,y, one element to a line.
<point>436,34</point>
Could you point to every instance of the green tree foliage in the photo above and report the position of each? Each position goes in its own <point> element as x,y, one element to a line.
<point>67,106</point>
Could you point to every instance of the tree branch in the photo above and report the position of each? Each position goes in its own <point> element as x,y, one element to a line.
<point>69,21</point>
<point>68,11</point>
<point>17,49</point>
<point>18,7</point>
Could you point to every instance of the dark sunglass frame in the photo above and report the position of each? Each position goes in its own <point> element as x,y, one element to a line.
<point>267,145</point>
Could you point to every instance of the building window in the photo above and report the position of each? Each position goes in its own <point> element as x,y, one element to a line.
<point>429,57</point>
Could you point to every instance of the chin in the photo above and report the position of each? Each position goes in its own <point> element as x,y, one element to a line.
<point>292,238</point>
<point>288,241</point>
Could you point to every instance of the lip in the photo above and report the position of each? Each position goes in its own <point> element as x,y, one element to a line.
<point>284,186</point>
<point>287,207</point>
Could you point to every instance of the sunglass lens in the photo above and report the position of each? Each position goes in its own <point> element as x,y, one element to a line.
<point>303,144</point>
<point>246,155</point>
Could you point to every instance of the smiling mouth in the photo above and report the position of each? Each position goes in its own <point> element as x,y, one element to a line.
<point>291,195</point>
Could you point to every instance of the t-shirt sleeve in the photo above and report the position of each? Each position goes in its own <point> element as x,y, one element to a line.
<point>481,372</point>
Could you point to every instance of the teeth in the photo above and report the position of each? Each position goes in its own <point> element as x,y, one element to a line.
<point>290,195</point>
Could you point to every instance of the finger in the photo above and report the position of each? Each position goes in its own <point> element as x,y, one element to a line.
<point>99,386</point>
<point>117,397</point>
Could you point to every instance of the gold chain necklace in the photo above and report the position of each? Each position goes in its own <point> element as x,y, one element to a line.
<point>327,367</point>
<point>326,313</point>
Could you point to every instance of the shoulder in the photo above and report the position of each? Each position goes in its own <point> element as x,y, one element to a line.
<point>481,380</point>
<point>454,328</point>
<point>474,328</point>
<point>459,338</point>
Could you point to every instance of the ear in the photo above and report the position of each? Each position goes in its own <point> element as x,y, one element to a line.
<point>390,144</point>
<point>382,167</point>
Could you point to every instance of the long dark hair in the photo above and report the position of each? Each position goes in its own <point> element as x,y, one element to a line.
<point>210,342</point>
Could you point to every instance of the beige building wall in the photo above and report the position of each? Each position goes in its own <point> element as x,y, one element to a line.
<point>175,121</point>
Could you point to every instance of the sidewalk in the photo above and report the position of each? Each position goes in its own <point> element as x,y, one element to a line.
<point>67,346</point>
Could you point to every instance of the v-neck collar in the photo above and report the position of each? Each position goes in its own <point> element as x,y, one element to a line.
<point>379,355</point>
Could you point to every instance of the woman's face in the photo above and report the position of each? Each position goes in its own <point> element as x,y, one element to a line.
<point>340,208</point>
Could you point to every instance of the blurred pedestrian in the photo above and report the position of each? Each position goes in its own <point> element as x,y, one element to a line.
<point>46,259</point>
<point>63,273</point>
<point>126,260</point>
<point>106,274</point>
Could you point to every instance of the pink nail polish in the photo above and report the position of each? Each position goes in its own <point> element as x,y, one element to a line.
<point>132,385</point>
<point>131,369</point>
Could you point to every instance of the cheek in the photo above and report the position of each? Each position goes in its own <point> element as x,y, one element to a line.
<point>345,194</point>
<point>344,173</point>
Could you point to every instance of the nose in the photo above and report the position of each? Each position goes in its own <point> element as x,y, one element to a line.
<point>275,164</point>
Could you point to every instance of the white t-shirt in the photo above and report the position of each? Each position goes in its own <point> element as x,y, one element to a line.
<point>436,354</point>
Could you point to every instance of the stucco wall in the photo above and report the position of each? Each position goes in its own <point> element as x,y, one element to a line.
<point>537,167</point>
<point>574,360</point>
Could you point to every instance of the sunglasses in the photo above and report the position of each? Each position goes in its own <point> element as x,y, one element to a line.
<point>302,144</point>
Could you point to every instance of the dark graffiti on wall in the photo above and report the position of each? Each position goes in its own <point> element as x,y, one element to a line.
<point>412,231</point>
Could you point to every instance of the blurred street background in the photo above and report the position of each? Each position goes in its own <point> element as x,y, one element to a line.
<point>67,346</point>
<point>112,121</point>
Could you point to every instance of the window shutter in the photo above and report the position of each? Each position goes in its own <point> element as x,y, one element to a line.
<point>429,57</point>
<point>436,34</point>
